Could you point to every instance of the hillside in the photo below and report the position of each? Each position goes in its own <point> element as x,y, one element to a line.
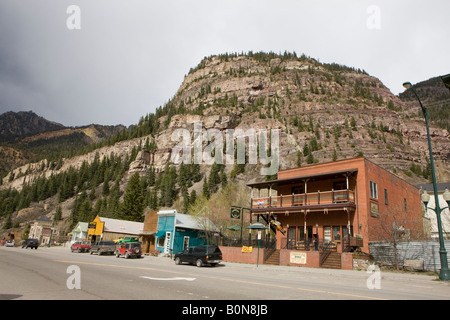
<point>26,137</point>
<point>15,125</point>
<point>323,112</point>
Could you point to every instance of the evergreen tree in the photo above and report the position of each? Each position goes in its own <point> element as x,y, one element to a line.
<point>58,214</point>
<point>132,207</point>
<point>205,190</point>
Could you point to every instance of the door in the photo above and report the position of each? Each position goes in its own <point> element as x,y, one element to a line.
<point>291,238</point>
<point>185,242</point>
<point>167,242</point>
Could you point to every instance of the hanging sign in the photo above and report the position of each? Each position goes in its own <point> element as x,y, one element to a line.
<point>235,213</point>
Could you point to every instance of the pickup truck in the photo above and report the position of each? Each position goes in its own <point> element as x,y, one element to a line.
<point>102,247</point>
<point>81,246</point>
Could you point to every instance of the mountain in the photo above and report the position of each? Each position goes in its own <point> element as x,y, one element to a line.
<point>25,137</point>
<point>15,125</point>
<point>323,112</point>
<point>435,96</point>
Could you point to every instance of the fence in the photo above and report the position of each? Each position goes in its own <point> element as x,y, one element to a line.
<point>427,251</point>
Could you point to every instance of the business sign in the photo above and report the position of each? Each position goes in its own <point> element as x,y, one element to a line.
<point>235,213</point>
<point>247,249</point>
<point>298,257</point>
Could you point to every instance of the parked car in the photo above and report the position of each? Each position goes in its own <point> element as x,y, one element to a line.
<point>81,246</point>
<point>127,239</point>
<point>128,250</point>
<point>200,256</point>
<point>30,243</point>
<point>102,247</point>
<point>9,243</point>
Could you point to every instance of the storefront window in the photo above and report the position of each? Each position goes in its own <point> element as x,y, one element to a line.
<point>327,234</point>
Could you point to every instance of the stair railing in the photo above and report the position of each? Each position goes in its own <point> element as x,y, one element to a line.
<point>270,248</point>
<point>325,251</point>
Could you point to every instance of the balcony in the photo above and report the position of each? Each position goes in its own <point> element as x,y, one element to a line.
<point>319,199</point>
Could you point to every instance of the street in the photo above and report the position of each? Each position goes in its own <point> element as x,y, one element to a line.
<point>57,274</point>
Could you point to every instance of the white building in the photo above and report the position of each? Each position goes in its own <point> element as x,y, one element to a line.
<point>430,219</point>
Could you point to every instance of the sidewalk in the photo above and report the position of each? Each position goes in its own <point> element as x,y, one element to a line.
<point>387,275</point>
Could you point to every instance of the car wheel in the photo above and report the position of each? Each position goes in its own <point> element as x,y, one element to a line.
<point>199,263</point>
<point>127,255</point>
<point>177,261</point>
<point>92,252</point>
<point>117,254</point>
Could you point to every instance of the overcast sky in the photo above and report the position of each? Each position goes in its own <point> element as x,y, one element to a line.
<point>130,56</point>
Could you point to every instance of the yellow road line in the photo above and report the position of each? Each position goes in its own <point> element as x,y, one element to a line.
<point>224,279</point>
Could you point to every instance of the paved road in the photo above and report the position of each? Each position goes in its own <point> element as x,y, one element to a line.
<point>56,273</point>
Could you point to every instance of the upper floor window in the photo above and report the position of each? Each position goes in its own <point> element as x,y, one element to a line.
<point>373,190</point>
<point>386,202</point>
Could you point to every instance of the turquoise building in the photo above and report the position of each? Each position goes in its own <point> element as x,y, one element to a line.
<point>177,231</point>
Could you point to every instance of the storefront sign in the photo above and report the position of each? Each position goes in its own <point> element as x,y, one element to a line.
<point>298,257</point>
<point>247,249</point>
<point>235,213</point>
<point>374,209</point>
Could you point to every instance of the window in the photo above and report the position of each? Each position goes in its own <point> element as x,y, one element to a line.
<point>405,205</point>
<point>327,234</point>
<point>373,190</point>
<point>386,197</point>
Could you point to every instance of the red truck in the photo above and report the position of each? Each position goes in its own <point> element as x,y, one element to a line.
<point>81,246</point>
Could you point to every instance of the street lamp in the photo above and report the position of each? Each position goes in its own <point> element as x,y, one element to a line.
<point>444,274</point>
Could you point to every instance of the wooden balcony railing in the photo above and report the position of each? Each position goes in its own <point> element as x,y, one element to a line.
<point>304,199</point>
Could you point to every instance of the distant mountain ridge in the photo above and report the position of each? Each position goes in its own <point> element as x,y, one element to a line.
<point>26,136</point>
<point>21,124</point>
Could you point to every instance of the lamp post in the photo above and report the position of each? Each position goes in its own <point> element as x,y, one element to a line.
<point>445,272</point>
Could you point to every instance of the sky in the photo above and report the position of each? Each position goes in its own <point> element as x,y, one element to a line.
<point>110,62</point>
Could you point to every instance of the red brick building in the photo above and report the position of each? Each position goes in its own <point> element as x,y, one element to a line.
<point>340,205</point>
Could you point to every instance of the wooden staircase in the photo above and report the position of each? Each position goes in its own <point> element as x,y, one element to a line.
<point>274,258</point>
<point>333,261</point>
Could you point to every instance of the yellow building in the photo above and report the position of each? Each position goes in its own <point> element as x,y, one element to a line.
<point>95,229</point>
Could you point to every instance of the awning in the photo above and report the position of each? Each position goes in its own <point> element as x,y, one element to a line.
<point>160,234</point>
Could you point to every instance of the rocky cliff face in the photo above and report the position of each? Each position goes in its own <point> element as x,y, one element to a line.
<point>322,113</point>
<point>332,111</point>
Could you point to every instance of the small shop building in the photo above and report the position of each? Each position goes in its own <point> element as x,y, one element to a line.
<point>149,232</point>
<point>41,229</point>
<point>80,232</point>
<point>108,229</point>
<point>177,231</point>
